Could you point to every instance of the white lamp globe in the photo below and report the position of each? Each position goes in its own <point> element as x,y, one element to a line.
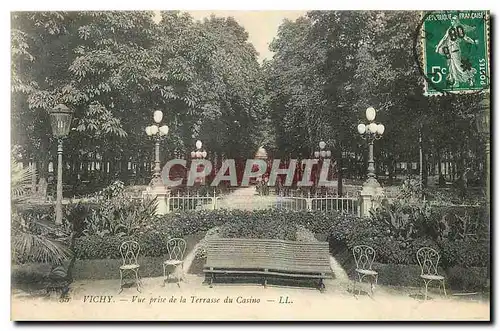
<point>328,153</point>
<point>193,154</point>
<point>380,129</point>
<point>323,153</point>
<point>158,116</point>
<point>198,144</point>
<point>370,113</point>
<point>361,128</point>
<point>373,127</point>
<point>164,130</point>
<point>204,154</point>
<point>322,144</point>
<point>154,129</point>
<point>316,154</point>
<point>198,154</point>
<point>148,131</point>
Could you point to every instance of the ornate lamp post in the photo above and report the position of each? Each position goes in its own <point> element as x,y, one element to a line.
<point>198,154</point>
<point>371,132</point>
<point>321,154</point>
<point>157,132</point>
<point>60,120</point>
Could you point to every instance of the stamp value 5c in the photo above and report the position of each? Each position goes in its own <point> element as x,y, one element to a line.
<point>455,51</point>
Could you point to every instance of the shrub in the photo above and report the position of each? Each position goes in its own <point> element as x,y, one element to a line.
<point>467,279</point>
<point>46,212</point>
<point>120,216</point>
<point>465,253</point>
<point>388,247</point>
<point>398,274</point>
<point>275,224</point>
<point>398,231</point>
<point>303,234</point>
<point>460,222</point>
<point>95,247</point>
<point>260,225</point>
<point>345,231</point>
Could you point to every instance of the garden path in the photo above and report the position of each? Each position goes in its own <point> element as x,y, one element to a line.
<point>246,198</point>
<point>337,303</point>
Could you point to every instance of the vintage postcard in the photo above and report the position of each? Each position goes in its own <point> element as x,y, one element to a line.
<point>250,165</point>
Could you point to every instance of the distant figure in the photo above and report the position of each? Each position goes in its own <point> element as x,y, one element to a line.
<point>461,183</point>
<point>279,186</point>
<point>441,181</point>
<point>465,177</point>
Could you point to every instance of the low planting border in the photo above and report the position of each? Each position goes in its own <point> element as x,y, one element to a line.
<point>104,264</point>
<point>457,278</point>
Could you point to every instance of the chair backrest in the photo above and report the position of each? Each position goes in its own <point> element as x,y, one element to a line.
<point>176,248</point>
<point>428,259</point>
<point>364,256</point>
<point>130,251</point>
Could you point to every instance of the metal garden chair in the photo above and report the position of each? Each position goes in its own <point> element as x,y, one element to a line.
<point>364,256</point>
<point>129,251</point>
<point>176,248</point>
<point>428,259</point>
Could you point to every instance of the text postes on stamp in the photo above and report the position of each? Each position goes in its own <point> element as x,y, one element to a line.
<point>455,51</point>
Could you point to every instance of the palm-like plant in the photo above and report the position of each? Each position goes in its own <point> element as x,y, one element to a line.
<point>20,181</point>
<point>30,239</point>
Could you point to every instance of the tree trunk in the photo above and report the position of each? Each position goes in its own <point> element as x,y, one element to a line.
<point>33,177</point>
<point>425,179</point>
<point>44,166</point>
<point>440,170</point>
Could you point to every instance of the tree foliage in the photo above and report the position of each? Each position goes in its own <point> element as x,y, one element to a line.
<point>329,66</point>
<point>114,68</point>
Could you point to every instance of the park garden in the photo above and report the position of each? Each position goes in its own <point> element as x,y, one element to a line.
<point>114,69</point>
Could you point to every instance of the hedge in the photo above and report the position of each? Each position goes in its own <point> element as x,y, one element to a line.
<point>396,249</point>
<point>108,247</point>
<point>35,275</point>
<point>196,221</point>
<point>344,231</point>
<point>244,224</point>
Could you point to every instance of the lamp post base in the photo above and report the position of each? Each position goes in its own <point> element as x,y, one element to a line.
<point>370,196</point>
<point>162,195</point>
<point>371,182</point>
<point>156,181</point>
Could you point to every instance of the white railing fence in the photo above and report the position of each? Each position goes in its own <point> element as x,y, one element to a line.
<point>291,201</point>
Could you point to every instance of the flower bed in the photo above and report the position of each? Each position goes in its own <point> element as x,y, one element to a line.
<point>396,233</point>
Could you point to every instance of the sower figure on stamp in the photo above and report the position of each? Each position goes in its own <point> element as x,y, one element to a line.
<point>449,46</point>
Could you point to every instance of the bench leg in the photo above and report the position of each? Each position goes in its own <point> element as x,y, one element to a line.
<point>321,286</point>
<point>265,282</point>
<point>212,278</point>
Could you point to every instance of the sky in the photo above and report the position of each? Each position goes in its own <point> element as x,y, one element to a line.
<point>262,26</point>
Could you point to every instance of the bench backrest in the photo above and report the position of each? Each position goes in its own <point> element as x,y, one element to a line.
<point>271,254</point>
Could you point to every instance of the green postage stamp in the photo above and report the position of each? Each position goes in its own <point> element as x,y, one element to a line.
<point>455,51</point>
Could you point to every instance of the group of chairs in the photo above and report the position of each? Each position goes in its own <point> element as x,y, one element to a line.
<point>129,250</point>
<point>364,256</point>
<point>428,260</point>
